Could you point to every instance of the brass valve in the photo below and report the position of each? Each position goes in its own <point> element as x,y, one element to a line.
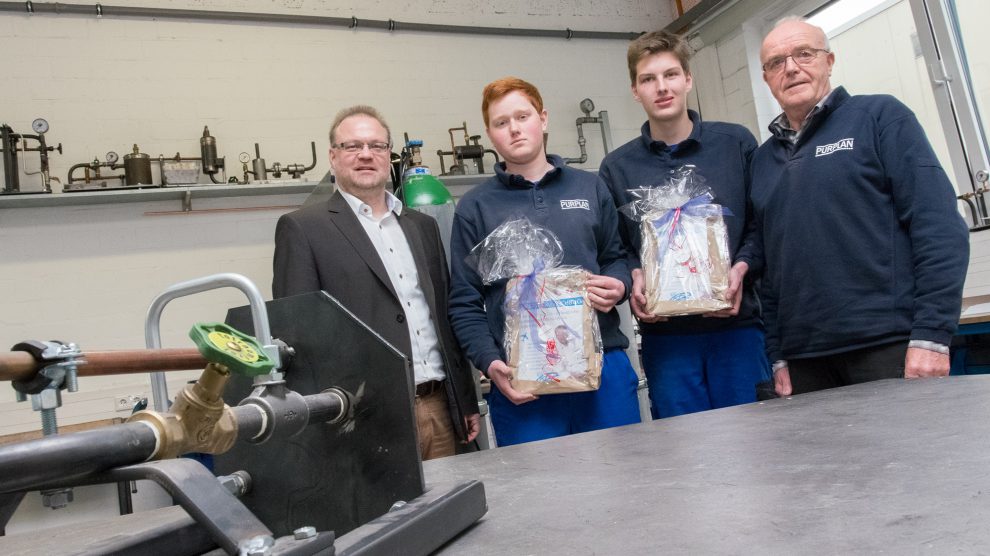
<point>199,420</point>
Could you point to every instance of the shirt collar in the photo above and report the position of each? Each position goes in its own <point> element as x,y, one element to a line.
<point>781,128</point>
<point>516,180</point>
<point>357,205</point>
<point>692,139</point>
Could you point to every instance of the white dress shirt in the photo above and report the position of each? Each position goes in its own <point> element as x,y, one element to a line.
<point>393,249</point>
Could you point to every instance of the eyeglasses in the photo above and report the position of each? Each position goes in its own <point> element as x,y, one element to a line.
<point>354,147</point>
<point>801,57</point>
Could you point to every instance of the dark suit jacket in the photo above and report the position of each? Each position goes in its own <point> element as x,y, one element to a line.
<point>324,247</point>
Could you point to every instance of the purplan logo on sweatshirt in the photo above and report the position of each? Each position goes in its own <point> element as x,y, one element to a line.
<point>840,145</point>
<point>574,204</point>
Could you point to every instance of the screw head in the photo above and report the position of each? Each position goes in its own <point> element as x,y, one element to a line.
<point>56,499</point>
<point>306,532</point>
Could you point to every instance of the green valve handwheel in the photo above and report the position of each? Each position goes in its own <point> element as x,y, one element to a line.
<point>239,352</point>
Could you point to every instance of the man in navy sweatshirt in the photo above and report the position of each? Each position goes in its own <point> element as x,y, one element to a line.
<point>578,209</point>
<point>699,362</point>
<point>865,251</point>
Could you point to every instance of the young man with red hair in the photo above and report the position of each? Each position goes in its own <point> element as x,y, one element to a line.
<point>578,209</point>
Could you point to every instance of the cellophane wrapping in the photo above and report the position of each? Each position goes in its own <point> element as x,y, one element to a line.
<point>684,253</point>
<point>552,340</point>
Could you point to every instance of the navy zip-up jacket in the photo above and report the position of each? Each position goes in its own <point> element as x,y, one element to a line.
<point>863,241</point>
<point>573,204</point>
<point>721,151</point>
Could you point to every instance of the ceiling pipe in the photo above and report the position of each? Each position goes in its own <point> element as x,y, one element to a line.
<point>103,10</point>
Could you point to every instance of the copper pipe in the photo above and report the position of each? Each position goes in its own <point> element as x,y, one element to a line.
<point>19,365</point>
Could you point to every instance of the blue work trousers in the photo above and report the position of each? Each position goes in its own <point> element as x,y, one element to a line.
<point>696,372</point>
<point>552,415</point>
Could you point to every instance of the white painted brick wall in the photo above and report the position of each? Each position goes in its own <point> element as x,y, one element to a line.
<point>107,84</point>
<point>87,274</point>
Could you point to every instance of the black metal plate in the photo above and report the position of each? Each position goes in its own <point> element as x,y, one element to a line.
<point>333,477</point>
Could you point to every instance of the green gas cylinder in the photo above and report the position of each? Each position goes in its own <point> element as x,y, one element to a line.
<point>421,188</point>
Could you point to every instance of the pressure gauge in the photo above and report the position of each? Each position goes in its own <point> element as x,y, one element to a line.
<point>244,157</point>
<point>40,125</point>
<point>587,106</point>
<point>112,157</point>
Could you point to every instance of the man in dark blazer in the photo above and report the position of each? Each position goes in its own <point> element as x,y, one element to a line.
<point>386,264</point>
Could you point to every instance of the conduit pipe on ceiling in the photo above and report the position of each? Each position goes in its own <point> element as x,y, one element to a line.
<point>102,10</point>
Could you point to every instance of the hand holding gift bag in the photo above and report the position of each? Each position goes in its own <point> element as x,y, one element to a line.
<point>684,252</point>
<point>552,341</point>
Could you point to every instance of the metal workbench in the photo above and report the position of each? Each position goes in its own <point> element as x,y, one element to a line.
<point>896,467</point>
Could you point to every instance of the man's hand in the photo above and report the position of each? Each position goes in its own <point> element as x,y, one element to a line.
<point>782,382</point>
<point>501,377</point>
<point>922,363</point>
<point>734,292</point>
<point>472,424</point>
<point>604,292</point>
<point>638,298</point>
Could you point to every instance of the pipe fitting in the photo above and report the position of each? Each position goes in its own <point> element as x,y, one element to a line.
<point>287,411</point>
<point>199,421</point>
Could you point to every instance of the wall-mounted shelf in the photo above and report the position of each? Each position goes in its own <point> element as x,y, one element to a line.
<point>458,185</point>
<point>177,193</point>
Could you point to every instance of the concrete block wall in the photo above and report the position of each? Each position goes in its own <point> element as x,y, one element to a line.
<point>105,84</point>
<point>88,274</point>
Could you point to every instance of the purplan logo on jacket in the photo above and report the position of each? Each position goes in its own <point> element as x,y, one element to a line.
<point>574,204</point>
<point>840,145</point>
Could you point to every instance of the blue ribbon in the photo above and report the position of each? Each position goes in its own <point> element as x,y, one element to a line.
<point>530,305</point>
<point>700,206</point>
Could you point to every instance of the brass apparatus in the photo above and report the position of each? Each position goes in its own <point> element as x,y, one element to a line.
<point>198,421</point>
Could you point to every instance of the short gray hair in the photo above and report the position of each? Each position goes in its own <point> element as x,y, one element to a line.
<point>801,19</point>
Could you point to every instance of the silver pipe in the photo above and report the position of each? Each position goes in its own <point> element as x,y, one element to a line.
<point>152,331</point>
<point>581,143</point>
<point>103,10</point>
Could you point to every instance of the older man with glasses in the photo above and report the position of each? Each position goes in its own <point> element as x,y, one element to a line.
<point>864,251</point>
<point>386,264</point>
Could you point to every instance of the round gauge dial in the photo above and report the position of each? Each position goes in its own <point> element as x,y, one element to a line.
<point>587,105</point>
<point>40,125</point>
<point>244,157</point>
<point>112,157</point>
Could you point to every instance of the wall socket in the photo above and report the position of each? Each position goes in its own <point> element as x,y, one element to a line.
<point>126,403</point>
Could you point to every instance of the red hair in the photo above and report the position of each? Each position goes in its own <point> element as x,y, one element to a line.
<point>501,87</point>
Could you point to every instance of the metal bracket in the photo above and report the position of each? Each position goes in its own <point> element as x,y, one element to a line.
<point>939,76</point>
<point>199,493</point>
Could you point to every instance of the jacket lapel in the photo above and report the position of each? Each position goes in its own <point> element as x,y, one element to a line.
<point>346,221</point>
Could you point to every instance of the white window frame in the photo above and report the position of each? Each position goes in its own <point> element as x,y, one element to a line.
<point>942,49</point>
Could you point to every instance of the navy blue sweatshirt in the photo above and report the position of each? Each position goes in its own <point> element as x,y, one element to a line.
<point>721,152</point>
<point>573,204</point>
<point>863,243</point>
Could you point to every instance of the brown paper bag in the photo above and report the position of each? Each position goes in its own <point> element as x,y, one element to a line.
<point>552,340</point>
<point>691,275</point>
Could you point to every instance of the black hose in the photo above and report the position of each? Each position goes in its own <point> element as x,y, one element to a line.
<point>64,457</point>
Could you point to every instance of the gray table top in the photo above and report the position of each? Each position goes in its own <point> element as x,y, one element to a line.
<point>895,466</point>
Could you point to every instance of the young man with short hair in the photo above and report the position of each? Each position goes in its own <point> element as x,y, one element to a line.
<point>575,206</point>
<point>698,362</point>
